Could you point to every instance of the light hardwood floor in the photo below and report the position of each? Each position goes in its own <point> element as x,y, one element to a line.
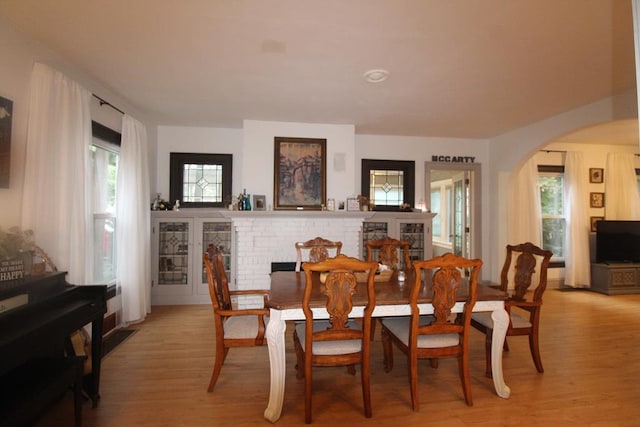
<point>590,345</point>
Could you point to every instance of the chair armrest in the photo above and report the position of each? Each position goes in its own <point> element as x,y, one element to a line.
<point>249,292</point>
<point>244,312</point>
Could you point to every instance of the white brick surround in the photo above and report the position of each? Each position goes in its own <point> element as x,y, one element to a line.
<point>266,237</point>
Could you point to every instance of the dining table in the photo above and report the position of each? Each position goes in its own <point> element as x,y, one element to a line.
<point>392,299</point>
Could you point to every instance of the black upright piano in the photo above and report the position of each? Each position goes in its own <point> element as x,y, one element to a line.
<point>39,313</point>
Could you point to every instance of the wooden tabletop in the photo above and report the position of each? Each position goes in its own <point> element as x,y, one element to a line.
<point>287,288</point>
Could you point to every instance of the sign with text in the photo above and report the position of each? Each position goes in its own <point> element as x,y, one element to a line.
<point>11,269</point>
<point>453,159</point>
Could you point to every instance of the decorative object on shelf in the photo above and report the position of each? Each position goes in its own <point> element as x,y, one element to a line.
<point>259,202</point>
<point>244,201</point>
<point>160,204</point>
<point>406,207</point>
<point>596,175</point>
<point>331,205</point>
<point>353,204</point>
<point>594,222</point>
<point>300,177</point>
<point>16,253</point>
<point>596,200</point>
<point>363,201</point>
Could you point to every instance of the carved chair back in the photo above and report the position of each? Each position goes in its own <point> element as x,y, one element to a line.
<point>318,248</point>
<point>387,252</point>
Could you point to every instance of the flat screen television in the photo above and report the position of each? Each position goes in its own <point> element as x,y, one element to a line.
<point>618,241</point>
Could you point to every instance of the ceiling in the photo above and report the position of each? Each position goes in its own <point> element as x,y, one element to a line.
<point>458,68</point>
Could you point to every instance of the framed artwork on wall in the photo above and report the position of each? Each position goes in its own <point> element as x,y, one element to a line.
<point>300,173</point>
<point>596,175</point>
<point>596,200</point>
<point>594,222</point>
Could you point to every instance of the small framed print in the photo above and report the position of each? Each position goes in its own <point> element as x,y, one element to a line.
<point>596,175</point>
<point>331,204</point>
<point>596,200</point>
<point>353,204</point>
<point>594,222</point>
<point>259,202</point>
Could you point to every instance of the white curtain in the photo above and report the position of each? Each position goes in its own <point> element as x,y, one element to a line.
<point>576,258</point>
<point>621,189</point>
<point>55,199</point>
<point>133,222</point>
<point>525,217</point>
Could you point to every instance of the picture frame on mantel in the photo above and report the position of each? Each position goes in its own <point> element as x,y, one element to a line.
<point>300,173</point>
<point>259,202</point>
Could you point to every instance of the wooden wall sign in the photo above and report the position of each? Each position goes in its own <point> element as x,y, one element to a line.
<point>453,159</point>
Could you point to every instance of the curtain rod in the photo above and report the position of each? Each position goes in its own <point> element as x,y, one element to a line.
<point>553,151</point>
<point>103,102</point>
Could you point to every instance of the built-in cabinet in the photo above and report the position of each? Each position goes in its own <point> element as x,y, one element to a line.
<point>251,240</point>
<point>615,278</point>
<point>178,240</point>
<point>414,227</point>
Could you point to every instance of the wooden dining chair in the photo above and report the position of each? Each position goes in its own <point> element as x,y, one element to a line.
<point>524,304</point>
<point>234,327</point>
<point>385,251</point>
<point>340,340</point>
<point>318,249</point>
<point>441,334</point>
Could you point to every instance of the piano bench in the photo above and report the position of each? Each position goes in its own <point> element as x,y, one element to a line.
<point>29,390</point>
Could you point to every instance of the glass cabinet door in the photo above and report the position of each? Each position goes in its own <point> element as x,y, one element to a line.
<point>373,230</point>
<point>217,233</point>
<point>173,253</point>
<point>413,232</point>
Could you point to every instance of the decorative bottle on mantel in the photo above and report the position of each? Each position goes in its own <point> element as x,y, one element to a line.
<point>243,202</point>
<point>248,202</point>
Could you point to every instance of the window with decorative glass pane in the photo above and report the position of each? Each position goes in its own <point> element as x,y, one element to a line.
<point>387,187</point>
<point>202,183</point>
<point>551,186</point>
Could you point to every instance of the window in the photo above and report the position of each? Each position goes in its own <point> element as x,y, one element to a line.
<point>104,155</point>
<point>388,183</point>
<point>436,226</point>
<point>442,206</point>
<point>551,185</point>
<point>201,180</point>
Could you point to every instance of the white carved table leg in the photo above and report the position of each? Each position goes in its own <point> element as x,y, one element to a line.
<point>500,323</point>
<point>277,361</point>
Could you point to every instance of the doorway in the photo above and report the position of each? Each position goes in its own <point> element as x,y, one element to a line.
<point>454,195</point>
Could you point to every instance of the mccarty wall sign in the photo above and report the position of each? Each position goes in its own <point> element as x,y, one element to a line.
<point>453,159</point>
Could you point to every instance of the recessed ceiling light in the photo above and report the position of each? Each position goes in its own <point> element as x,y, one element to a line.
<point>376,76</point>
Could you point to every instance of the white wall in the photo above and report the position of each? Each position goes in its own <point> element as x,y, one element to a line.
<point>595,156</point>
<point>511,149</point>
<point>18,54</point>
<point>259,148</point>
<point>181,139</point>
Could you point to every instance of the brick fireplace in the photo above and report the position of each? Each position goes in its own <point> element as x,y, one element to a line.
<point>263,238</point>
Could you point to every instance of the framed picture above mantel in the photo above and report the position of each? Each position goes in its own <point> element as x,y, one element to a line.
<point>300,173</point>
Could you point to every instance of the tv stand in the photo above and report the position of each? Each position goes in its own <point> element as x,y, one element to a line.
<point>615,278</point>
